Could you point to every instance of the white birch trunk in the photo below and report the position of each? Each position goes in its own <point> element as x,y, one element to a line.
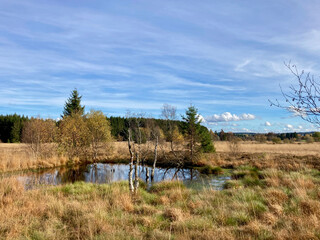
<point>155,157</point>
<point>131,187</point>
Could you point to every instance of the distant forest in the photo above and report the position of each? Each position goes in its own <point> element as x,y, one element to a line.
<point>11,127</point>
<point>11,130</point>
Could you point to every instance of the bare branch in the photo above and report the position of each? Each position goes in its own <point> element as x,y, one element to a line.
<point>303,98</point>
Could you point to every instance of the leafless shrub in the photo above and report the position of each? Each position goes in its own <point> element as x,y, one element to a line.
<point>234,146</point>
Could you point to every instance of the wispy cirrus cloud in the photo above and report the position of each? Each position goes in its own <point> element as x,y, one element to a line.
<point>213,54</point>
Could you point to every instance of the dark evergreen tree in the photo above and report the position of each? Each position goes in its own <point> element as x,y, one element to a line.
<point>119,128</point>
<point>192,126</point>
<point>11,127</point>
<point>73,104</point>
<point>206,140</point>
<point>196,133</point>
<point>222,135</point>
<point>16,131</point>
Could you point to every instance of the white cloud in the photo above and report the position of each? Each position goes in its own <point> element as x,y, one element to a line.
<point>267,124</point>
<point>240,67</point>
<point>246,130</point>
<point>289,126</point>
<point>201,118</point>
<point>228,117</point>
<point>297,112</point>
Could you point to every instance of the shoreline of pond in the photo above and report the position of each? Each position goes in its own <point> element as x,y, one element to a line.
<point>101,173</point>
<point>162,163</point>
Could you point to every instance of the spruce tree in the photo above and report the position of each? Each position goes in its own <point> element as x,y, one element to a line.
<point>192,127</point>
<point>196,133</point>
<point>72,105</point>
<point>206,141</point>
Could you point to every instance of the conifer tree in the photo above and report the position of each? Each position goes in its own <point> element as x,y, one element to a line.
<point>73,105</point>
<point>192,127</point>
<point>196,133</point>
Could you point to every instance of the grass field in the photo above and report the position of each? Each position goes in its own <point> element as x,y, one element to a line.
<point>262,155</point>
<point>274,194</point>
<point>268,204</point>
<point>298,149</point>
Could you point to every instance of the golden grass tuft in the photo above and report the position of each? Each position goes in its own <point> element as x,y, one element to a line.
<point>275,196</point>
<point>310,207</point>
<point>124,201</point>
<point>10,188</point>
<point>173,214</point>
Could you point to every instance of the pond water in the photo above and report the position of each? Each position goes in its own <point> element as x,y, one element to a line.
<point>107,173</point>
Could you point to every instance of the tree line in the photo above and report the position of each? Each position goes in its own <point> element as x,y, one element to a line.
<point>266,137</point>
<point>81,135</point>
<point>11,130</point>
<point>11,127</point>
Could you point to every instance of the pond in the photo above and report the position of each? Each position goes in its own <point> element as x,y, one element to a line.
<point>106,173</point>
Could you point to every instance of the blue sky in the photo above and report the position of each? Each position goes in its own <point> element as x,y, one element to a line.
<point>225,57</point>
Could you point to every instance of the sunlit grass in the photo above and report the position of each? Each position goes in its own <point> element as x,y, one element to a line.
<point>283,205</point>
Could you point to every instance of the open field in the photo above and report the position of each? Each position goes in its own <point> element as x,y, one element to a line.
<point>262,155</point>
<point>268,204</point>
<point>265,155</point>
<point>298,149</point>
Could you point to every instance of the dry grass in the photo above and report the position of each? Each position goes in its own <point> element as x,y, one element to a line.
<point>298,149</point>
<point>270,204</point>
<point>15,157</point>
<point>262,155</point>
<point>18,156</point>
<point>265,155</point>
<point>279,201</point>
<point>287,162</point>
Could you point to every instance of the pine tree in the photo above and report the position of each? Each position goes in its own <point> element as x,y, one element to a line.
<point>72,105</point>
<point>206,141</point>
<point>196,133</point>
<point>192,127</point>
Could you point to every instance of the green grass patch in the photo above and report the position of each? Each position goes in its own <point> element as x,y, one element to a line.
<point>233,184</point>
<point>238,219</point>
<point>210,170</point>
<point>256,208</point>
<point>166,185</point>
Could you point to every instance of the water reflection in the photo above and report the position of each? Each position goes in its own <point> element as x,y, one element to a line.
<point>107,173</point>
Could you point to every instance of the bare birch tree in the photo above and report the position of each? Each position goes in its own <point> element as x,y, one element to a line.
<point>168,112</point>
<point>156,137</point>
<point>131,187</point>
<point>135,125</point>
<point>155,155</point>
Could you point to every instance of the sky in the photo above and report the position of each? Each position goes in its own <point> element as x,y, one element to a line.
<point>224,57</point>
